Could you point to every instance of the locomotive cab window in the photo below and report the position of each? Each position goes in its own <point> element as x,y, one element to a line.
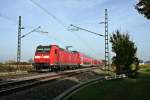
<point>43,49</point>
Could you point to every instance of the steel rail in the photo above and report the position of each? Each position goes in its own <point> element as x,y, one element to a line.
<point>11,87</point>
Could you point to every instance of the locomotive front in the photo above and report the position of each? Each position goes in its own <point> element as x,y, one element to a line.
<point>42,57</point>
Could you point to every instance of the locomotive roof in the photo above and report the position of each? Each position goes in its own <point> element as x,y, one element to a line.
<point>43,46</point>
<point>66,50</point>
<point>58,47</point>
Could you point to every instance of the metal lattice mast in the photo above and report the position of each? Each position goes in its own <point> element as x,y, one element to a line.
<point>107,62</point>
<point>106,42</point>
<point>22,36</point>
<point>19,41</point>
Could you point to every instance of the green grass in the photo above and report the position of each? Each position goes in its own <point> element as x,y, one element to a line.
<point>124,89</point>
<point>145,68</point>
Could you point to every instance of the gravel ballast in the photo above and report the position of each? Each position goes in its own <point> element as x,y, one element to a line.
<point>50,90</point>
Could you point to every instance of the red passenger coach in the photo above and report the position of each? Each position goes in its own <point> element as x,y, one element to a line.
<point>53,57</point>
<point>84,60</point>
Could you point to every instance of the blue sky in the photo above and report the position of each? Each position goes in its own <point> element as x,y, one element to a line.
<point>84,13</point>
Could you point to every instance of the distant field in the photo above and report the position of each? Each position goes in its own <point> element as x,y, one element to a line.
<point>144,66</point>
<point>125,89</point>
<point>12,68</point>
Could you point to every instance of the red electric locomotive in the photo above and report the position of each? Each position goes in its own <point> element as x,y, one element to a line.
<point>53,57</point>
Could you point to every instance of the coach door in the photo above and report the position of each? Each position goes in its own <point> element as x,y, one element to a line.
<point>56,56</point>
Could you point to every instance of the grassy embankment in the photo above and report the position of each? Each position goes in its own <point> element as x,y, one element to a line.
<point>124,89</point>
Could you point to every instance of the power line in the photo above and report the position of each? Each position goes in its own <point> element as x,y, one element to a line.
<point>57,40</point>
<point>62,42</point>
<point>9,19</point>
<point>107,63</point>
<point>20,36</point>
<point>34,30</point>
<point>14,21</point>
<point>53,16</point>
<point>85,43</point>
<point>87,30</point>
<point>49,13</point>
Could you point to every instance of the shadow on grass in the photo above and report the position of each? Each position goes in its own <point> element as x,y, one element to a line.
<point>124,89</point>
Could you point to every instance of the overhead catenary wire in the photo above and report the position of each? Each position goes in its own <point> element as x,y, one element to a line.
<point>34,30</point>
<point>9,19</point>
<point>49,13</point>
<point>59,21</point>
<point>60,41</point>
<point>56,19</point>
<point>84,43</point>
<point>14,21</point>
<point>86,30</point>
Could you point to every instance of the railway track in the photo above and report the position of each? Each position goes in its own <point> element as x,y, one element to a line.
<point>28,82</point>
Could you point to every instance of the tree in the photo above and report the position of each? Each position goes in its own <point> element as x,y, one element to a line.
<point>143,7</point>
<point>125,51</point>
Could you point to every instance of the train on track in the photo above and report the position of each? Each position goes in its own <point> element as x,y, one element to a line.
<point>53,57</point>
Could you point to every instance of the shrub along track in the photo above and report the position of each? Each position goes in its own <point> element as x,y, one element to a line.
<point>13,87</point>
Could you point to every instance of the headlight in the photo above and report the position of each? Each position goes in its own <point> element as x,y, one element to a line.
<point>37,57</point>
<point>45,56</point>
